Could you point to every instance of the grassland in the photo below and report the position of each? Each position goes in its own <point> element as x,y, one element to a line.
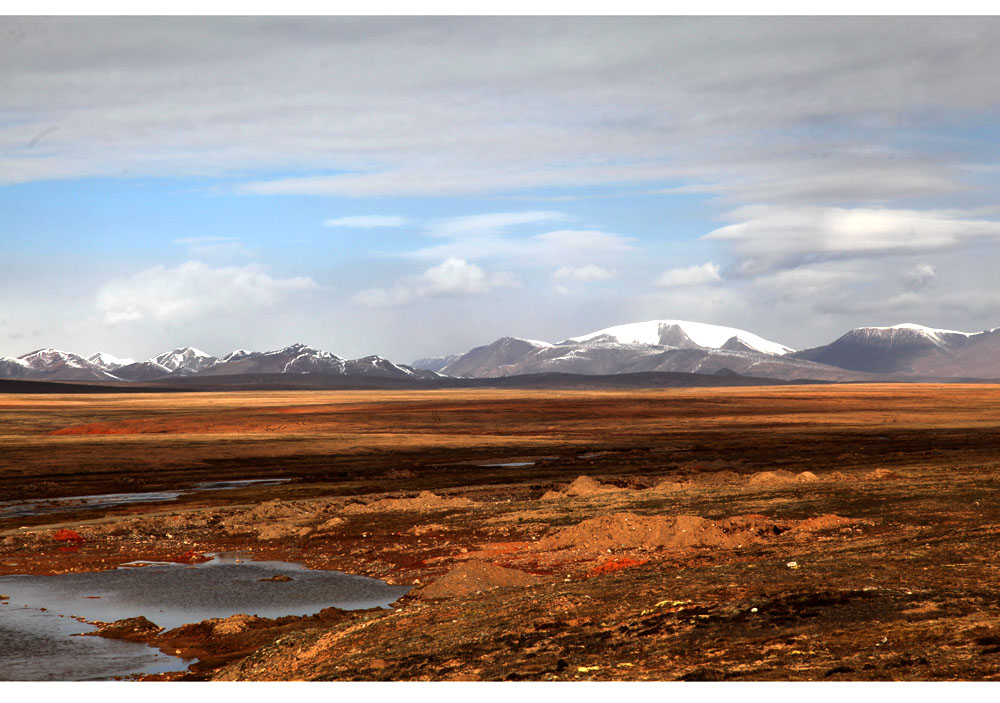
<point>901,584</point>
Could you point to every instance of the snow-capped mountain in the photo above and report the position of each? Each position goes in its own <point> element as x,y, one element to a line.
<point>866,353</point>
<point>51,364</point>
<point>655,345</point>
<point>185,360</point>
<point>912,349</point>
<point>141,371</point>
<point>297,358</point>
<point>492,359</point>
<point>685,335</point>
<point>14,368</point>
<point>108,362</point>
<point>383,368</point>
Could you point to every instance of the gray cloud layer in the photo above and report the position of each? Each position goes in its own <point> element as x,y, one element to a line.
<point>849,160</point>
<point>398,105</point>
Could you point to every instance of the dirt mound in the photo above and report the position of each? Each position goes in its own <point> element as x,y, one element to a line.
<point>424,501</point>
<point>582,487</point>
<point>586,486</point>
<point>630,531</point>
<point>233,625</point>
<point>331,524</point>
<point>669,486</point>
<point>275,519</point>
<point>474,576</point>
<point>823,522</point>
<point>136,629</point>
<point>275,510</point>
<point>781,476</point>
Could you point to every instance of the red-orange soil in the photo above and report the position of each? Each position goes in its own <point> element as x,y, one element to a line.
<point>780,533</point>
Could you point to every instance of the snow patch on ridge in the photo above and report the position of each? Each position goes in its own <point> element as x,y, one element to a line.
<point>108,361</point>
<point>702,334</point>
<point>929,331</point>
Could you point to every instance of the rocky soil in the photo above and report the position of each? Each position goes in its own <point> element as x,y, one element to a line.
<point>861,554</point>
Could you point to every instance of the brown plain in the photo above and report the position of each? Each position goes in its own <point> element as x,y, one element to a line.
<point>853,528</point>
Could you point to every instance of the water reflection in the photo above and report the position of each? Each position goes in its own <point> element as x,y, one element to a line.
<point>35,645</point>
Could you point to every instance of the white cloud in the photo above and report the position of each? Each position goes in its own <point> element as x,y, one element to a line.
<point>689,276</point>
<point>490,223</point>
<point>193,290</point>
<point>560,246</point>
<point>584,274</point>
<point>366,221</point>
<point>451,278</point>
<point>807,281</point>
<point>919,276</point>
<point>772,237</point>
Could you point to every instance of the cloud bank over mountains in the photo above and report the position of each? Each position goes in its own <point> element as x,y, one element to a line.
<point>369,180</point>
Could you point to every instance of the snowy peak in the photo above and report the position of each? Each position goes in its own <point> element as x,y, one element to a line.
<point>532,342</point>
<point>55,364</point>
<point>43,359</point>
<point>909,330</point>
<point>298,358</point>
<point>235,355</point>
<point>184,360</point>
<point>907,348</point>
<point>682,334</point>
<point>108,362</point>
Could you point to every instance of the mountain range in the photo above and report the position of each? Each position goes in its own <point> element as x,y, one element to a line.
<point>55,365</point>
<point>904,352</point>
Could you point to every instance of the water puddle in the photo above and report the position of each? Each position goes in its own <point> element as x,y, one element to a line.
<point>509,464</point>
<point>516,462</point>
<point>47,506</point>
<point>35,646</point>
<point>40,646</point>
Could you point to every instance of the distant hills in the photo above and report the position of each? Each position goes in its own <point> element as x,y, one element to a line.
<point>867,353</point>
<point>905,352</point>
<point>56,365</point>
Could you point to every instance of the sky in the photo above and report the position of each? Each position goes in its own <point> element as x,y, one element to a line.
<point>417,186</point>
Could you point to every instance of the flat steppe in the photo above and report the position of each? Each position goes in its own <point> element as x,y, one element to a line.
<point>781,533</point>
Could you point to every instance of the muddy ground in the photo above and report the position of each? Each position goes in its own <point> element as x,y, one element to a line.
<point>820,532</point>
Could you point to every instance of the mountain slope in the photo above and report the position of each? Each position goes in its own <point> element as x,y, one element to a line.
<point>53,364</point>
<point>491,359</point>
<point>652,346</point>
<point>184,360</point>
<point>108,362</point>
<point>684,334</point>
<point>908,349</point>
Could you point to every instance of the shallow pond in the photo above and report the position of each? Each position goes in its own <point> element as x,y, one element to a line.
<point>48,506</point>
<point>35,645</point>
